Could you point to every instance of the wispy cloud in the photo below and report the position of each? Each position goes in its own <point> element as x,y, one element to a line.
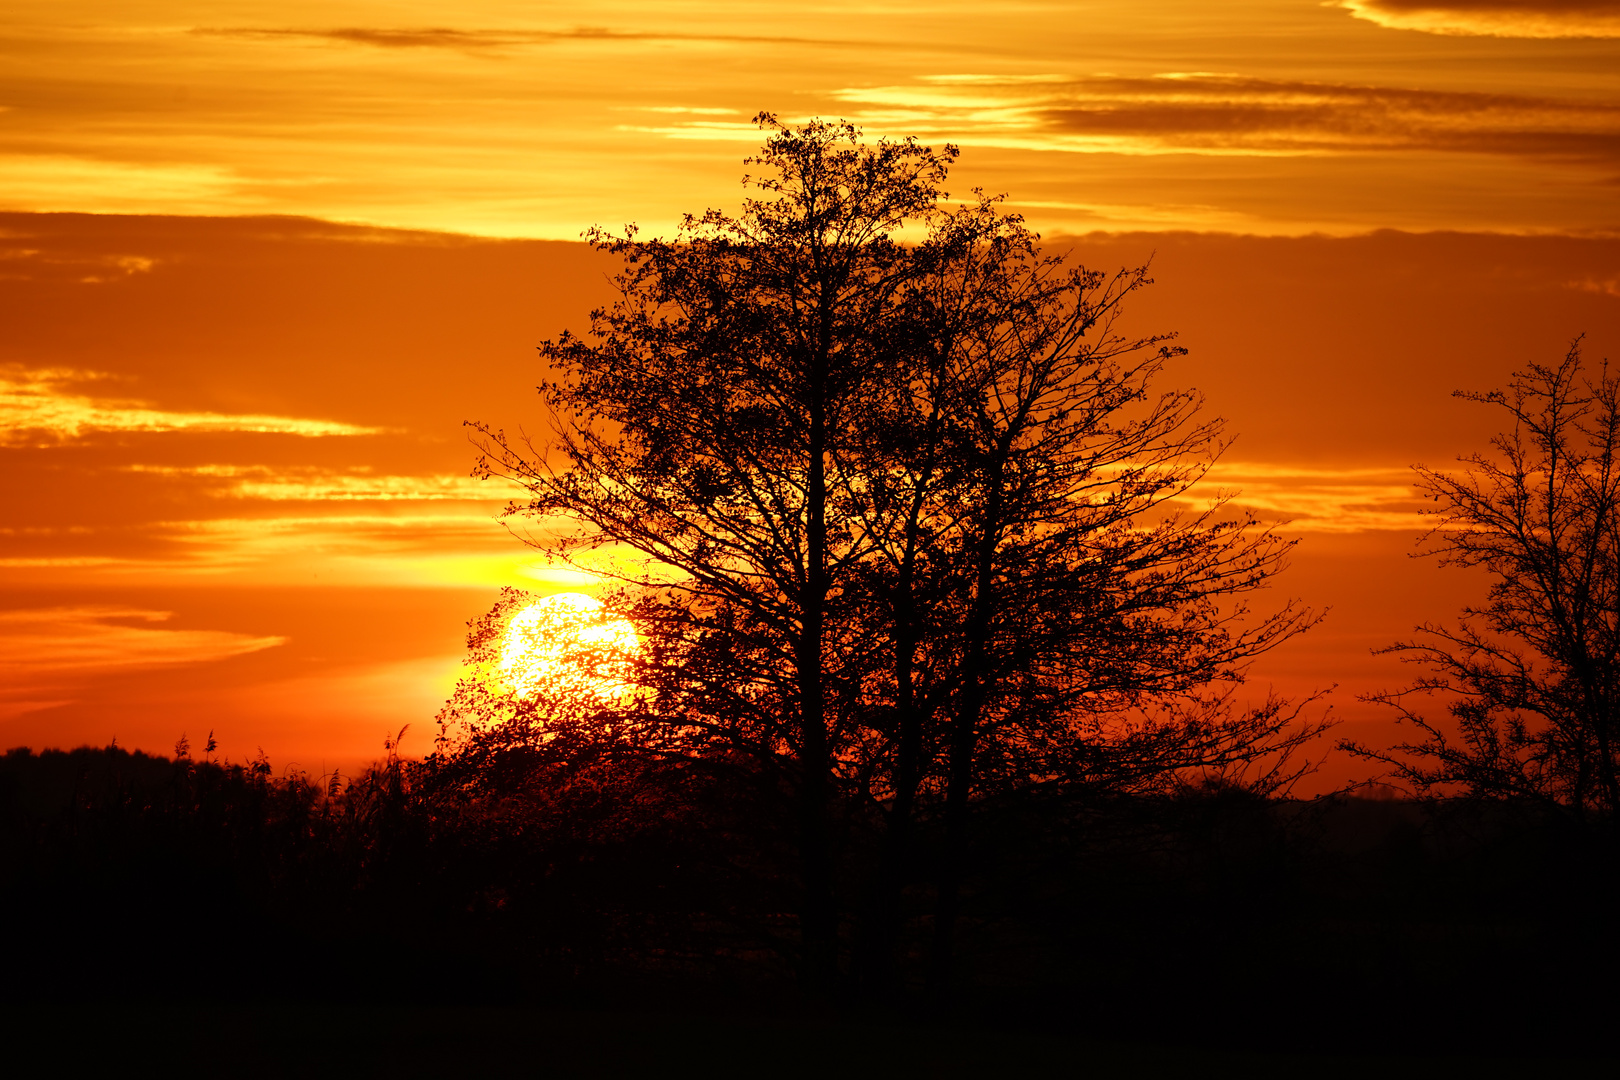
<point>410,549</point>
<point>431,545</point>
<point>1607,286</point>
<point>51,406</point>
<point>26,263</point>
<point>1494,18</point>
<point>478,40</point>
<point>315,484</point>
<point>1234,114</point>
<point>1320,500</point>
<point>42,650</point>
<point>102,638</point>
<point>36,178</point>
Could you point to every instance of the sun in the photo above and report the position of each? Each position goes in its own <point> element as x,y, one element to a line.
<point>567,646</point>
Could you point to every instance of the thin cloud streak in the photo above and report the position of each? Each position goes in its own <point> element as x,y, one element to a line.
<point>46,653</point>
<point>35,409</point>
<point>1317,500</point>
<point>440,37</point>
<point>1494,18</point>
<point>408,549</point>
<point>312,484</point>
<point>95,638</point>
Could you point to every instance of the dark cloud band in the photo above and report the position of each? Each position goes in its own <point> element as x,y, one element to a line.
<point>1237,114</point>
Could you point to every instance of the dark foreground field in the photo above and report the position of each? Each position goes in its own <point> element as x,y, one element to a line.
<point>318,1040</point>
<point>279,927</point>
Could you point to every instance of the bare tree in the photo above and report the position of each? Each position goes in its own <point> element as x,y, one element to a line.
<point>1531,679</point>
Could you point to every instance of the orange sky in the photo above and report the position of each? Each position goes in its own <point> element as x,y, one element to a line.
<point>538,119</point>
<point>235,490</point>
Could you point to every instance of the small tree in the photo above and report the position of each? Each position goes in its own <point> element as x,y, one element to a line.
<point>1531,679</point>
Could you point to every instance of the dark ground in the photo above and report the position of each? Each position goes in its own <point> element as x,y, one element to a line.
<point>283,1040</point>
<point>218,921</point>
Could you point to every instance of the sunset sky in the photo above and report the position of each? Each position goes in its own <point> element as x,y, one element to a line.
<point>259,261</point>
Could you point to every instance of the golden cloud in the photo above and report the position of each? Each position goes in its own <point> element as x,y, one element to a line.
<point>38,408</point>
<point>1494,18</point>
<point>314,484</point>
<point>409,549</point>
<point>42,647</point>
<point>1326,500</point>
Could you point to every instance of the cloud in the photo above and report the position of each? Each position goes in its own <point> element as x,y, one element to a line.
<point>452,547</point>
<point>41,649</point>
<point>1605,286</point>
<point>1345,500</point>
<point>38,645</point>
<point>1221,113</point>
<point>440,37</point>
<point>315,484</point>
<point>23,263</point>
<point>94,638</point>
<point>38,407</point>
<point>428,545</point>
<point>1494,18</point>
<point>68,181</point>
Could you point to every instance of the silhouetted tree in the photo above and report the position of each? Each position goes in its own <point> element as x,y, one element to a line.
<point>1531,679</point>
<point>896,513</point>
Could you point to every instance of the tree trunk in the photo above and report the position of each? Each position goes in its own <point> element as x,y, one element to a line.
<point>964,740</point>
<point>882,924</point>
<point>818,919</point>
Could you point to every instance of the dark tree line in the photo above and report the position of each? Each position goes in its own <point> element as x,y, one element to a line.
<point>571,875</point>
<point>901,515</point>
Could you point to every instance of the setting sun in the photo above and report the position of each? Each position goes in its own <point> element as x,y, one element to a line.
<point>568,645</point>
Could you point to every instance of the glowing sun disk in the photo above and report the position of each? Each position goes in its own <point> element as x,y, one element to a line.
<point>567,646</point>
